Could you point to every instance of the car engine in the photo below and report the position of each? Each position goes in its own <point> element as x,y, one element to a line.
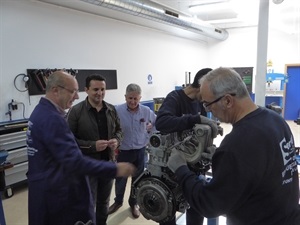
<point>157,193</point>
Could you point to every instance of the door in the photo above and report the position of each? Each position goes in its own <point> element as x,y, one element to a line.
<point>292,92</point>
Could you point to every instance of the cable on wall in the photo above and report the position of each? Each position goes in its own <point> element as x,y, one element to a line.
<point>25,79</point>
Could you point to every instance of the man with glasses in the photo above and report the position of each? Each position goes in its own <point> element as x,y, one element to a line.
<point>58,189</point>
<point>181,110</point>
<point>255,177</point>
<point>96,126</point>
<point>207,104</point>
<point>73,92</point>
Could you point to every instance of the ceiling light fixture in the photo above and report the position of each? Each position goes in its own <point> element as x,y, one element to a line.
<point>233,10</point>
<point>209,2</point>
<point>278,1</point>
<point>210,6</point>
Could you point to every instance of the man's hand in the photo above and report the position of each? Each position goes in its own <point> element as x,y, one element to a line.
<point>125,169</point>
<point>149,127</point>
<point>208,152</point>
<point>101,145</point>
<point>113,144</point>
<point>176,160</point>
<point>213,124</point>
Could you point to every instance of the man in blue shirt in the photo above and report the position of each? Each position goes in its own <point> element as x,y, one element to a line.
<point>137,122</point>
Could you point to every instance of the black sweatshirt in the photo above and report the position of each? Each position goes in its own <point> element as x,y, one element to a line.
<point>178,112</point>
<point>255,178</point>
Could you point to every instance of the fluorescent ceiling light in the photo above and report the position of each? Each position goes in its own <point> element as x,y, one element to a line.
<point>244,11</point>
<point>208,2</point>
<point>210,6</point>
<point>236,5</point>
<point>278,1</point>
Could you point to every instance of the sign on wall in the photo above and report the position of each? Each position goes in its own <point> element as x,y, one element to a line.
<point>247,75</point>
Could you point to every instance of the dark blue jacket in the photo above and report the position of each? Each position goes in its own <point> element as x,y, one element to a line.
<point>58,188</point>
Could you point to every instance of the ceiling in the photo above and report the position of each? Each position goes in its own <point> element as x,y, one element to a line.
<point>227,14</point>
<point>211,15</point>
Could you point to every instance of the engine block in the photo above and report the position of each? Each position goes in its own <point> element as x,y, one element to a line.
<point>157,193</point>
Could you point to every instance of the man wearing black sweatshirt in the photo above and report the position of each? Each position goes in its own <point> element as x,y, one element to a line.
<point>255,177</point>
<point>181,110</point>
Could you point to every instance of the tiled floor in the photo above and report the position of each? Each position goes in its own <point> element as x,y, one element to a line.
<point>15,208</point>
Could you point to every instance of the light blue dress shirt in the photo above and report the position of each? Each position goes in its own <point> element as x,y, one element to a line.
<point>133,124</point>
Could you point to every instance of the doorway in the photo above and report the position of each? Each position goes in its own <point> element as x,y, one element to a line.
<point>291,107</point>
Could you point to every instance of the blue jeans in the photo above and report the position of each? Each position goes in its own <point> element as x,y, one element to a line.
<point>137,158</point>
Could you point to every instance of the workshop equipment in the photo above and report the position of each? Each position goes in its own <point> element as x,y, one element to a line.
<point>157,103</point>
<point>13,141</point>
<point>276,108</point>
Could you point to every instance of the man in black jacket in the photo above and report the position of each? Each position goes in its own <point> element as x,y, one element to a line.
<point>96,126</point>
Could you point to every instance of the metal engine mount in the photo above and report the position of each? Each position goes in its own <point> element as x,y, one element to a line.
<point>157,193</point>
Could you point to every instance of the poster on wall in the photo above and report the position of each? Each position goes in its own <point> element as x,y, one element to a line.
<point>247,75</point>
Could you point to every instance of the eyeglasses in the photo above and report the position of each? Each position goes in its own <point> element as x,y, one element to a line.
<point>71,91</point>
<point>207,104</point>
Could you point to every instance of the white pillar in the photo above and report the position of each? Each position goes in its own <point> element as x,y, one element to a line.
<point>262,49</point>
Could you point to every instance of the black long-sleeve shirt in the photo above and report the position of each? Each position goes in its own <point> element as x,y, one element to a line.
<point>255,178</point>
<point>178,112</point>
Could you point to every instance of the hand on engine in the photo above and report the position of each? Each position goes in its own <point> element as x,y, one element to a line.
<point>212,123</point>
<point>176,160</point>
<point>125,169</point>
<point>208,153</point>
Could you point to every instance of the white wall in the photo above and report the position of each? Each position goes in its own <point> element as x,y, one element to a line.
<point>38,35</point>
<point>283,49</point>
<point>240,50</point>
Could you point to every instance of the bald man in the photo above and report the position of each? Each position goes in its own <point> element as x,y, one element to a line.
<point>58,189</point>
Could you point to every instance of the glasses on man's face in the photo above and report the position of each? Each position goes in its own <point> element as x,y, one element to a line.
<point>73,92</point>
<point>207,104</point>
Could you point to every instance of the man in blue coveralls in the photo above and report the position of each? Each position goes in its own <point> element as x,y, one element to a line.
<point>58,188</point>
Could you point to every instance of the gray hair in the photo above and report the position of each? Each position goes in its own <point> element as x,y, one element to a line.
<point>225,81</point>
<point>133,88</point>
<point>58,77</point>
